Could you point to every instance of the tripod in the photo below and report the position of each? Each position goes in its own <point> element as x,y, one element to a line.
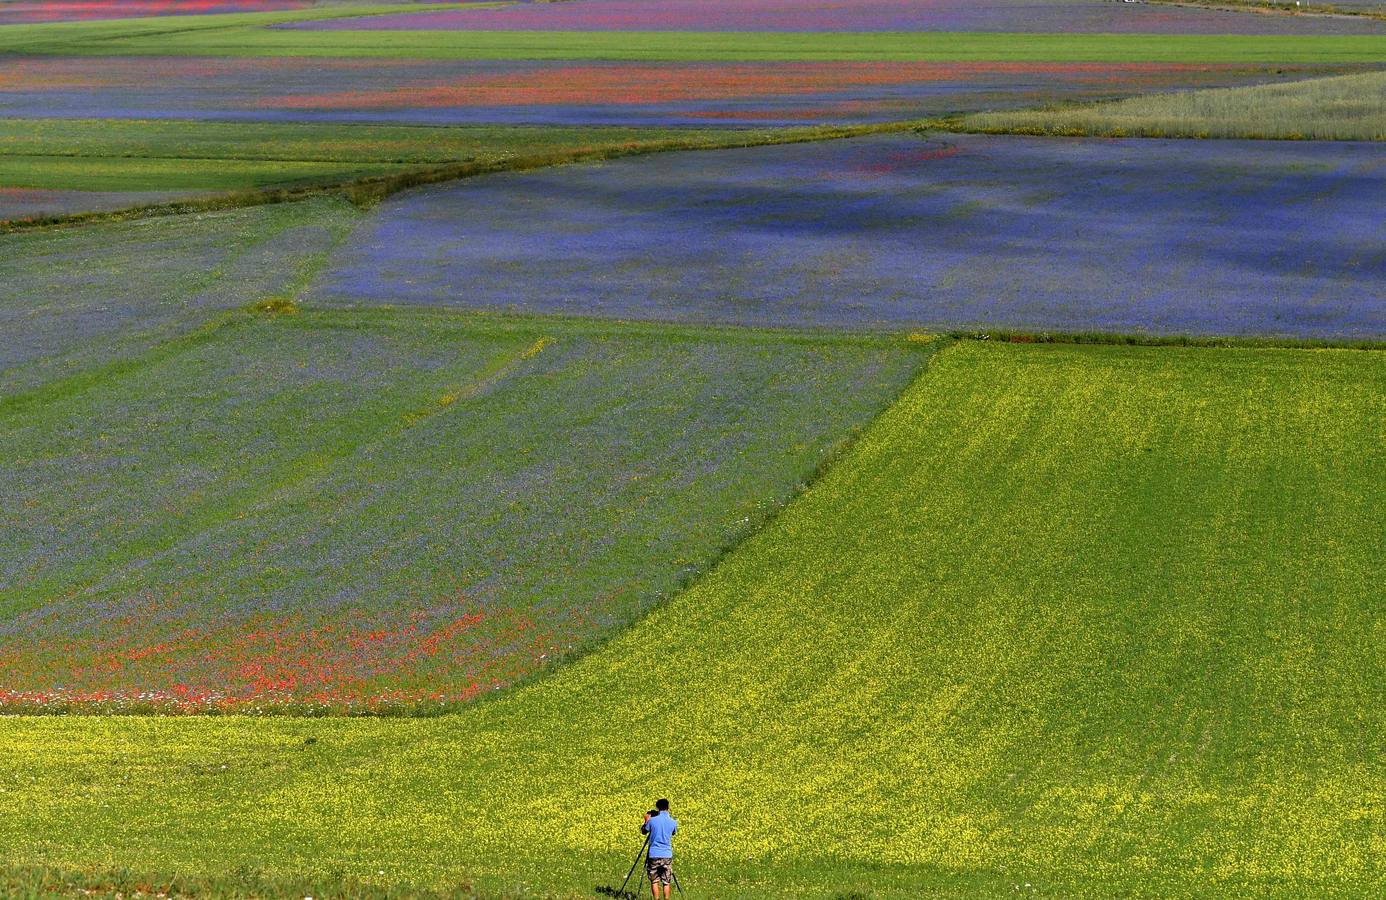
<point>644,849</point>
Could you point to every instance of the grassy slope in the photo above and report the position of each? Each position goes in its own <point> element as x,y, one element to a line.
<point>1351,107</point>
<point>1088,620</point>
<point>548,479</point>
<point>245,35</point>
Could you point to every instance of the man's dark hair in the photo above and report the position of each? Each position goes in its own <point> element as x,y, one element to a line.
<point>662,805</point>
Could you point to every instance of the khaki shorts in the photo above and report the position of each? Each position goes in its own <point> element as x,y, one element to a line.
<point>660,869</point>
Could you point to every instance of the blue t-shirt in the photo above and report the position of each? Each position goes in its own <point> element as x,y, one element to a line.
<point>661,830</point>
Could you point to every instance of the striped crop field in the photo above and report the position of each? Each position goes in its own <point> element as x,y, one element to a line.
<point>1079,622</point>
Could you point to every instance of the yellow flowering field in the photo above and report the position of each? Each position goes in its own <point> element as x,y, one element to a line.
<point>1067,621</point>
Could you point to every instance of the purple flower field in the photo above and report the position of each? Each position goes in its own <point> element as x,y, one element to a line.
<point>353,509</point>
<point>1218,237</point>
<point>441,92</point>
<point>33,203</point>
<point>1035,16</point>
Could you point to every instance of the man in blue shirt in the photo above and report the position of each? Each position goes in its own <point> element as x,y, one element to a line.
<point>659,862</point>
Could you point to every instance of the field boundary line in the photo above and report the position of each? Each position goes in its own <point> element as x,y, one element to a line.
<point>653,328</point>
<point>818,333</point>
<point>1135,339</point>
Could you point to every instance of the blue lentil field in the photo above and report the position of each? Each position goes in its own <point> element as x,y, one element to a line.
<point>432,432</point>
<point>1274,239</point>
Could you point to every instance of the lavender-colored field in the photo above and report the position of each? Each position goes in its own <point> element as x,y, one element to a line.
<point>1035,16</point>
<point>1224,237</point>
<point>33,203</point>
<point>566,93</point>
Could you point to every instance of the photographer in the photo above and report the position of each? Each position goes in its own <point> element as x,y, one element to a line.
<point>659,862</point>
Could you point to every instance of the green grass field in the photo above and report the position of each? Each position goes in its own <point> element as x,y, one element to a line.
<point>1067,621</point>
<point>1350,107</point>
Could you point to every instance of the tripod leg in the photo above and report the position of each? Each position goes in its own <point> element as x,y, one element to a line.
<point>676,881</point>
<point>638,854</point>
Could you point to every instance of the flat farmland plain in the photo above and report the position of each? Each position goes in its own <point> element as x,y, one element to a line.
<point>1109,619</point>
<point>376,525</point>
<point>1158,237</point>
